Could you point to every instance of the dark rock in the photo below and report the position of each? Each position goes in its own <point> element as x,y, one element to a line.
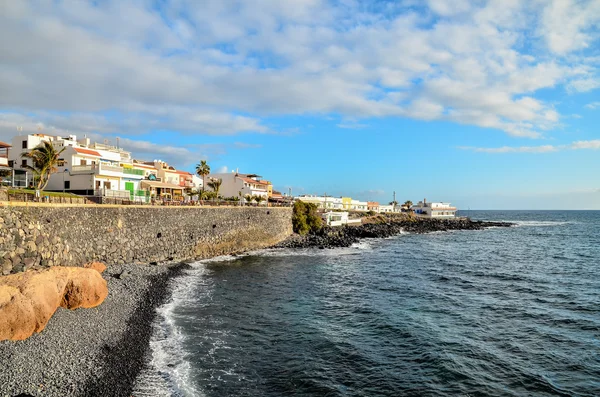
<point>345,236</point>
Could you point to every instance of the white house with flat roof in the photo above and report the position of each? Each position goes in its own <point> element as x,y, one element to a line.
<point>235,184</point>
<point>322,202</point>
<point>83,168</point>
<point>434,209</point>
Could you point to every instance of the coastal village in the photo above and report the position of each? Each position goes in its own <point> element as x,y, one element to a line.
<point>34,164</point>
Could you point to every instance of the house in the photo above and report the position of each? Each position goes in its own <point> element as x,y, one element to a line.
<point>322,202</point>
<point>338,218</point>
<point>373,206</point>
<point>346,203</point>
<point>357,205</point>
<point>4,149</point>
<point>386,208</point>
<point>236,184</point>
<point>83,168</point>
<point>434,210</point>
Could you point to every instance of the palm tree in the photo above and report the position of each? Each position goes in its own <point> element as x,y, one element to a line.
<point>248,198</point>
<point>45,161</point>
<point>202,170</point>
<point>215,185</point>
<point>258,199</point>
<point>408,204</point>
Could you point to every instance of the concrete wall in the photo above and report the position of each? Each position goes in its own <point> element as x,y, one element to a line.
<point>49,235</point>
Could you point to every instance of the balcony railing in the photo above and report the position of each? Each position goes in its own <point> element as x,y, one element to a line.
<point>131,171</point>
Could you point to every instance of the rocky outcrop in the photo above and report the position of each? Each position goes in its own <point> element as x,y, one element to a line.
<point>29,299</point>
<point>345,236</point>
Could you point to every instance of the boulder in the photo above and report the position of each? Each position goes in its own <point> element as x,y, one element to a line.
<point>28,300</point>
<point>98,266</point>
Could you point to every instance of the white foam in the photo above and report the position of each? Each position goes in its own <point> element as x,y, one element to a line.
<point>362,245</point>
<point>539,223</point>
<point>169,373</point>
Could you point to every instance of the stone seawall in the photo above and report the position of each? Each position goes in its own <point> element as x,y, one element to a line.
<point>43,236</point>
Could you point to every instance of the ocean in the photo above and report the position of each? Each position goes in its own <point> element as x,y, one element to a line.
<point>499,312</point>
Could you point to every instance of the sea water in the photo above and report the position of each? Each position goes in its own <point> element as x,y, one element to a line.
<point>499,312</point>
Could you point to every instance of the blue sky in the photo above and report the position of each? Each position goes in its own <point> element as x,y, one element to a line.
<point>488,104</point>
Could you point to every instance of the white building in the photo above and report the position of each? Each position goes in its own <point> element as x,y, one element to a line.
<point>83,167</point>
<point>322,202</point>
<point>235,185</point>
<point>434,210</point>
<point>4,151</point>
<point>339,218</point>
<point>357,205</point>
<point>386,208</point>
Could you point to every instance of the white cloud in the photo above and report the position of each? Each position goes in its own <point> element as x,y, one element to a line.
<point>583,85</point>
<point>593,105</point>
<point>508,149</point>
<point>221,67</point>
<point>577,145</point>
<point>221,170</point>
<point>352,126</point>
<point>565,23</point>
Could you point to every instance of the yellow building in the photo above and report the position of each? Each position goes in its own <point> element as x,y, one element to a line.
<point>346,203</point>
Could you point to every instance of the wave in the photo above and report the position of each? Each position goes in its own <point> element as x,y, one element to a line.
<point>540,223</point>
<point>168,373</point>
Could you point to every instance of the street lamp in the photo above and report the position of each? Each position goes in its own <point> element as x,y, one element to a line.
<point>65,171</point>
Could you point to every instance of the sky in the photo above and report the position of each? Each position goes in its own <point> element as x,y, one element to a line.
<point>486,104</point>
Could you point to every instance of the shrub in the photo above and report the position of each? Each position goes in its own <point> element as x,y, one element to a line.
<point>305,218</point>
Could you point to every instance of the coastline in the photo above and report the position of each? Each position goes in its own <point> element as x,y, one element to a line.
<point>382,227</point>
<point>92,352</point>
<point>101,351</point>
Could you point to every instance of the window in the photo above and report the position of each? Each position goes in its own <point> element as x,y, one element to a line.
<point>67,184</point>
<point>107,185</point>
<point>61,162</point>
<point>11,163</point>
<point>23,162</point>
<point>98,184</point>
<point>24,144</point>
<point>83,162</point>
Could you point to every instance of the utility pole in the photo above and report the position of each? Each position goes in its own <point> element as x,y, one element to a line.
<point>394,202</point>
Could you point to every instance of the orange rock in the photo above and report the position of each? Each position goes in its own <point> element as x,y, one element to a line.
<point>28,300</point>
<point>99,266</point>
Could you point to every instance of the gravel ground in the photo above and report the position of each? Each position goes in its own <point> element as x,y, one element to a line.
<point>91,352</point>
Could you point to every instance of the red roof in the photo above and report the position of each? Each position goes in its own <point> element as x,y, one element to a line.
<point>183,172</point>
<point>87,151</point>
<point>250,180</point>
<point>4,145</point>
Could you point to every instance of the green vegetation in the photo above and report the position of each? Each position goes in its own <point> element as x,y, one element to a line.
<point>215,185</point>
<point>202,170</point>
<point>305,218</point>
<point>258,199</point>
<point>45,161</point>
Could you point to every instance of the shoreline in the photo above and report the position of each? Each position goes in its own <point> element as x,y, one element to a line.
<point>382,227</point>
<point>92,352</point>
<point>101,351</point>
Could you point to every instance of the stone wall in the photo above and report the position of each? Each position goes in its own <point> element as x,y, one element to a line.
<point>43,236</point>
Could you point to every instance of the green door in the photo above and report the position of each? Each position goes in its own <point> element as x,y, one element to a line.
<point>129,186</point>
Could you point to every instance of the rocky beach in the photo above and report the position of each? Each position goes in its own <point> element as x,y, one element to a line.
<point>91,352</point>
